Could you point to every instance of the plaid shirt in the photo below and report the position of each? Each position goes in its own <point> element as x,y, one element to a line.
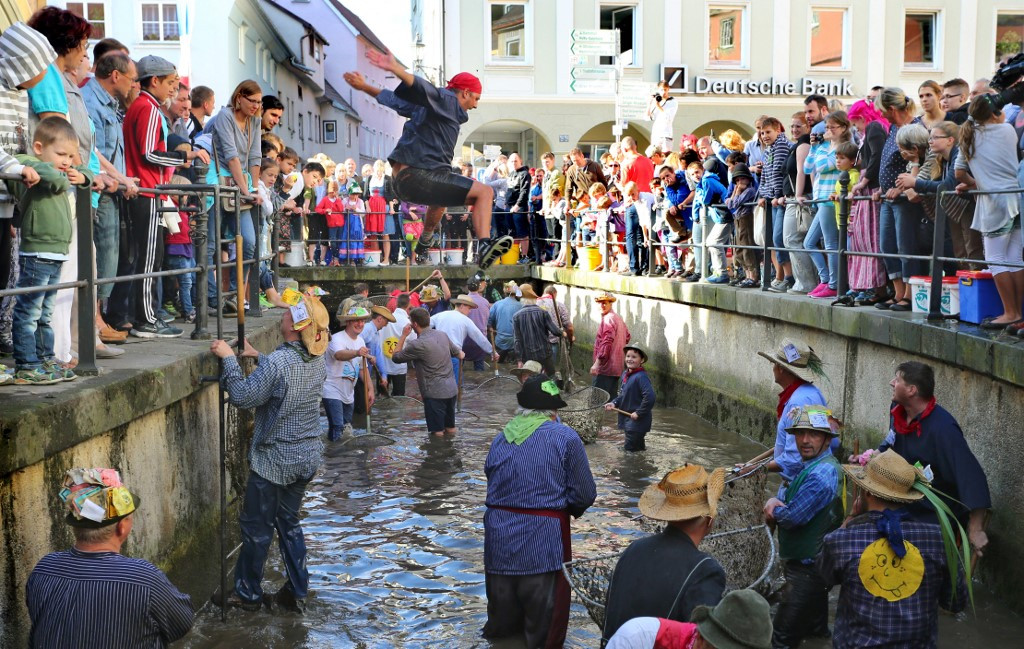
<point>285,389</point>
<point>863,620</point>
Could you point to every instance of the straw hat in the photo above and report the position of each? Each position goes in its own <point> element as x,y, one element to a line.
<point>688,492</point>
<point>637,348</point>
<point>430,293</point>
<point>382,311</point>
<point>464,300</point>
<point>533,367</point>
<point>316,334</point>
<point>798,358</point>
<point>527,292</point>
<point>742,620</point>
<point>605,297</point>
<point>356,313</point>
<point>887,475</point>
<point>816,418</point>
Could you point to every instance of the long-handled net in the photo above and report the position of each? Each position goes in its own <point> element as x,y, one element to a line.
<point>584,412</point>
<point>379,300</point>
<point>747,555</point>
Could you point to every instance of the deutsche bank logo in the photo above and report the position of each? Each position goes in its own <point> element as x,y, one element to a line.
<point>677,77</point>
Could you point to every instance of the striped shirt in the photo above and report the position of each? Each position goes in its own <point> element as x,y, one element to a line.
<point>821,162</point>
<point>549,470</point>
<point>103,600</point>
<point>24,53</point>
<point>774,170</point>
<point>533,325</point>
<point>285,389</point>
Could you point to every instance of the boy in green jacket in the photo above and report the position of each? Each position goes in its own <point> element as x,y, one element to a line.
<point>47,209</point>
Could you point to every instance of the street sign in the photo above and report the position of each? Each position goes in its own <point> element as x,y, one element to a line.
<point>492,151</point>
<point>633,98</point>
<point>593,86</point>
<point>602,73</point>
<point>594,42</point>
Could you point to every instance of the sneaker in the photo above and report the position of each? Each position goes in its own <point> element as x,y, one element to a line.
<point>35,377</point>
<point>162,314</point>
<point>818,289</point>
<point>58,370</point>
<point>170,308</point>
<point>718,279</point>
<point>825,293</point>
<point>778,286</point>
<point>736,281</point>
<point>158,329</point>
<point>190,318</point>
<point>489,250</point>
<point>694,277</point>
<point>265,303</point>
<point>428,241</point>
<point>749,283</point>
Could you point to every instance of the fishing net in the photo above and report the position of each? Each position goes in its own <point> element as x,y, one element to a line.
<point>745,549</point>
<point>747,555</point>
<point>365,441</point>
<point>379,300</point>
<point>584,412</point>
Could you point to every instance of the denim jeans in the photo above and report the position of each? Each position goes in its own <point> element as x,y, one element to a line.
<point>32,333</point>
<point>778,221</point>
<point>339,413</point>
<point>635,242</point>
<point>335,235</point>
<point>228,229</point>
<point>267,507</point>
<point>185,282</point>
<point>106,235</point>
<point>824,228</point>
<point>897,223</point>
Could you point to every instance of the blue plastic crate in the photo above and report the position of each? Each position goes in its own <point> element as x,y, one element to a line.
<point>979,298</point>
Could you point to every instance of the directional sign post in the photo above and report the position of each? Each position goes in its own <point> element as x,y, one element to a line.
<point>597,80</point>
<point>584,76</point>
<point>632,99</point>
<point>594,42</point>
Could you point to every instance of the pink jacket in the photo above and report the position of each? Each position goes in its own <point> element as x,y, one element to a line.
<point>612,336</point>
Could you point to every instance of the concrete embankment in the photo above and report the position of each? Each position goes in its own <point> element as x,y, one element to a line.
<point>703,342</point>
<point>147,414</point>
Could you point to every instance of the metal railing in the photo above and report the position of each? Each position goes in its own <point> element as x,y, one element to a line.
<point>199,214</point>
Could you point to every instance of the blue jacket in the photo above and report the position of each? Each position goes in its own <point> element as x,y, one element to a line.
<point>710,191</point>
<point>678,194</point>
<point>636,394</point>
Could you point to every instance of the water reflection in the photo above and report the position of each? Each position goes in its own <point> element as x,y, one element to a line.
<point>395,535</point>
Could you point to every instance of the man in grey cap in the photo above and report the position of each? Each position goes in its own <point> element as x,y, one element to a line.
<point>147,158</point>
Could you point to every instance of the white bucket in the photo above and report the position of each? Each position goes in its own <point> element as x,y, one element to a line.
<point>434,255</point>
<point>295,257</point>
<point>371,258</point>
<point>920,293</point>
<point>454,256</point>
<point>950,296</point>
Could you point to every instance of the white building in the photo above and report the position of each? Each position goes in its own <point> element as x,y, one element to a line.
<point>735,59</point>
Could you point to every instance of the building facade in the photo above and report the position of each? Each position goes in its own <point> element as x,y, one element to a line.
<point>728,60</point>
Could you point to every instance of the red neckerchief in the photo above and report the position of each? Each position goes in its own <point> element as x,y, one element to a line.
<point>628,373</point>
<point>786,394</point>
<point>899,418</point>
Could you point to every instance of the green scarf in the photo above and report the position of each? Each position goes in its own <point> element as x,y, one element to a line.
<point>522,426</point>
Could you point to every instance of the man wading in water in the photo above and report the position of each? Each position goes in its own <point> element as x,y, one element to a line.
<point>421,163</point>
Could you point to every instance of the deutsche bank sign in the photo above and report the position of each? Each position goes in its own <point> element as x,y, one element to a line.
<point>803,87</point>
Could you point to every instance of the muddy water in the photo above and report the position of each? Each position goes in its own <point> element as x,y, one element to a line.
<point>395,536</point>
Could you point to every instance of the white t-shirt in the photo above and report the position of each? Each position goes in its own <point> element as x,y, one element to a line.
<point>994,167</point>
<point>389,337</point>
<point>663,118</point>
<point>342,375</point>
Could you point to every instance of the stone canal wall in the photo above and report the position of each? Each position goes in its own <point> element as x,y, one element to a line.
<point>152,418</point>
<point>703,343</point>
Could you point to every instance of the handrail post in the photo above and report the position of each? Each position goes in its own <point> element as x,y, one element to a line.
<point>767,242</point>
<point>607,247</point>
<point>842,277</point>
<point>200,240</point>
<point>704,261</point>
<point>938,247</point>
<point>254,270</point>
<point>86,293</point>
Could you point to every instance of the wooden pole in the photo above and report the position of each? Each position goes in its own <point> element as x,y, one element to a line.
<point>408,261</point>
<point>240,294</point>
<point>367,387</point>
<point>494,349</point>
<point>458,404</point>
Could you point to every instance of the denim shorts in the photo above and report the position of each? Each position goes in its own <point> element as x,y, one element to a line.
<point>440,414</point>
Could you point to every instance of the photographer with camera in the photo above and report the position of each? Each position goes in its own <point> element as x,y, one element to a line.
<point>661,109</point>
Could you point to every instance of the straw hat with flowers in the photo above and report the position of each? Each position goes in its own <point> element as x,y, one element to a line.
<point>688,492</point>
<point>798,358</point>
<point>887,476</point>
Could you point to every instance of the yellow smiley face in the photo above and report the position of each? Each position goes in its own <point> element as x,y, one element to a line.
<point>389,345</point>
<point>886,575</point>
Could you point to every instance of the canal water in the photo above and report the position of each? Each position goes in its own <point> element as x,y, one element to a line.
<point>395,535</point>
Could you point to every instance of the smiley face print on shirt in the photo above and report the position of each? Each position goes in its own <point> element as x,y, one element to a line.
<point>888,576</point>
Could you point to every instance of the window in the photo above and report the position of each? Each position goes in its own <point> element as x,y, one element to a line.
<point>302,133</point>
<point>309,121</point>
<point>300,93</point>
<point>160,22</point>
<point>727,36</point>
<point>1009,34</point>
<point>348,135</point>
<point>919,37</point>
<point>622,18</point>
<point>95,13</point>
<point>242,29</point>
<point>507,25</point>
<point>829,40</point>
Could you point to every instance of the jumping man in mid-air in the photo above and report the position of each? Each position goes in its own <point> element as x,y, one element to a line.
<point>421,163</point>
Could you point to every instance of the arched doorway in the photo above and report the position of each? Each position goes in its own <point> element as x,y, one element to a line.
<point>720,126</point>
<point>596,141</point>
<point>507,135</point>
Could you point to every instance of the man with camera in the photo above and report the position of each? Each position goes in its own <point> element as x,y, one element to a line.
<point>661,110</point>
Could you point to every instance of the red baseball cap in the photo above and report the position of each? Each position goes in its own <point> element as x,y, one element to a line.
<point>465,81</point>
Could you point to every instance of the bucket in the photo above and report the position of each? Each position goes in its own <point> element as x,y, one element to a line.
<point>511,257</point>
<point>979,298</point>
<point>950,296</point>
<point>920,293</point>
<point>453,256</point>
<point>434,255</point>
<point>295,257</point>
<point>371,258</point>
<point>590,257</point>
